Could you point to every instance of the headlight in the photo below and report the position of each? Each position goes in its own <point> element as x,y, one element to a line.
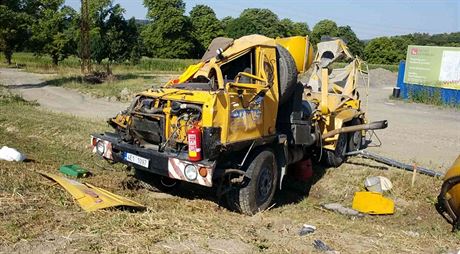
<point>100,147</point>
<point>191,172</point>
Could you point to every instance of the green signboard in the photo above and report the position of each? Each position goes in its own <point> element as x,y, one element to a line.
<point>433,66</point>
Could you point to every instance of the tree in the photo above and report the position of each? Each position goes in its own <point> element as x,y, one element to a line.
<point>225,21</point>
<point>254,21</point>
<point>205,26</point>
<point>134,41</point>
<point>168,34</point>
<point>324,28</point>
<point>380,51</point>
<point>290,28</point>
<point>239,27</point>
<point>55,31</point>
<point>14,26</point>
<point>354,44</point>
<point>115,39</point>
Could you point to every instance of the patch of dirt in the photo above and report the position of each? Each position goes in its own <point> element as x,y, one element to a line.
<point>30,87</point>
<point>198,246</point>
<point>380,78</point>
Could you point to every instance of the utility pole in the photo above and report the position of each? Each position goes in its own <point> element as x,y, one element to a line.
<point>84,37</point>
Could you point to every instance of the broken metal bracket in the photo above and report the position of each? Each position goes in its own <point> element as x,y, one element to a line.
<point>369,142</point>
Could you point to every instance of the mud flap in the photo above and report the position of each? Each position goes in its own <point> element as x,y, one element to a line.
<point>281,152</point>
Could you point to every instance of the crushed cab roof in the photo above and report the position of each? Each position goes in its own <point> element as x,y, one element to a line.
<point>231,46</point>
<point>247,42</point>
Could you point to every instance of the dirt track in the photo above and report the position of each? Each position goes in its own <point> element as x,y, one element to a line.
<point>31,87</point>
<point>427,135</point>
<point>417,133</point>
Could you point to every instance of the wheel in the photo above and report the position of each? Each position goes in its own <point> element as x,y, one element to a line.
<point>156,182</point>
<point>287,74</point>
<point>355,139</point>
<point>256,194</point>
<point>337,157</point>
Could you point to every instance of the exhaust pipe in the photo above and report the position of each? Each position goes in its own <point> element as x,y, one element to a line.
<point>370,126</point>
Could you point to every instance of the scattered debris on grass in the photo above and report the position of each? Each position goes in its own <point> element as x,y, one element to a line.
<point>336,207</point>
<point>90,197</point>
<point>11,154</point>
<point>321,246</point>
<point>378,184</point>
<point>307,229</point>
<point>74,171</point>
<point>372,203</point>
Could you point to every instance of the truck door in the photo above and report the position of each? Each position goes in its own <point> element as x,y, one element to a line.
<point>245,83</point>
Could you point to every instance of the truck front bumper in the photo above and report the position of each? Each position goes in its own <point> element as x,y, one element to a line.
<point>169,164</point>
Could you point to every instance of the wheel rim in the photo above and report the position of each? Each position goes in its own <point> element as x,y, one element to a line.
<point>341,145</point>
<point>265,185</point>
<point>356,139</point>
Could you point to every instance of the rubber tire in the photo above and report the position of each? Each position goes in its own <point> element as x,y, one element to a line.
<point>287,74</point>
<point>244,199</point>
<point>337,157</point>
<point>355,139</point>
<point>155,182</point>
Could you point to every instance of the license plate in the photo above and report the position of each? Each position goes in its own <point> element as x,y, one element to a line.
<point>137,160</point>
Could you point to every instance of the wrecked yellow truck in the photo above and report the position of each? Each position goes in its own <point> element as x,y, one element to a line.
<point>237,119</point>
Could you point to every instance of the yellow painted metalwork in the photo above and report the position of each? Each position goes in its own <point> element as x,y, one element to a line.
<point>372,203</point>
<point>89,197</point>
<point>335,94</point>
<point>453,195</point>
<point>324,91</point>
<point>189,72</point>
<point>300,49</point>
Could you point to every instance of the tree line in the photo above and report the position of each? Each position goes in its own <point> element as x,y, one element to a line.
<point>48,27</point>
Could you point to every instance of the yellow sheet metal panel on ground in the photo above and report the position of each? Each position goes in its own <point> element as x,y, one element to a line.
<point>372,203</point>
<point>453,195</point>
<point>92,198</point>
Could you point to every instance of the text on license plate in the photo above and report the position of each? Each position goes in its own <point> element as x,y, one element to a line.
<point>137,160</point>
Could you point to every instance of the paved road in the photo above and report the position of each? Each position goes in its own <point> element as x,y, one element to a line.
<point>32,87</point>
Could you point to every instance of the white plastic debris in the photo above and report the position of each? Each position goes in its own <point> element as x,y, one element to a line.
<point>11,154</point>
<point>378,184</point>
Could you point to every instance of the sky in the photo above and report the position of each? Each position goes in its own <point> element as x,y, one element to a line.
<point>368,18</point>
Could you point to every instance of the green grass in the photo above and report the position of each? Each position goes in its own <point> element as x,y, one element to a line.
<point>38,216</point>
<point>43,64</point>
<point>431,97</point>
<point>120,87</point>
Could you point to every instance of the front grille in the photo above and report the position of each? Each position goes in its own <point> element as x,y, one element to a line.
<point>151,131</point>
